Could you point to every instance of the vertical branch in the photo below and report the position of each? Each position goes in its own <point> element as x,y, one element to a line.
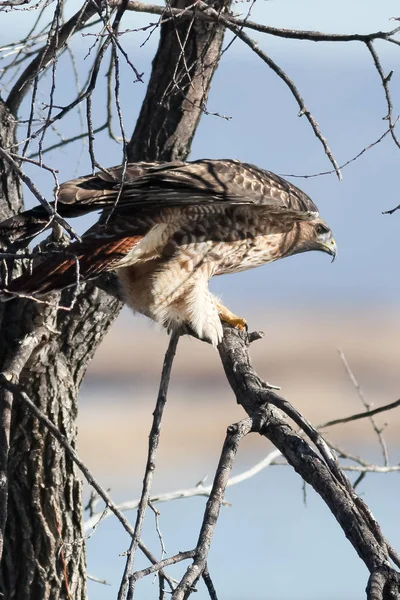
<point>150,467</point>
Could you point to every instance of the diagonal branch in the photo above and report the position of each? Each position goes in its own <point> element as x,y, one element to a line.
<point>367,405</point>
<point>385,79</point>
<point>363,415</point>
<point>20,395</point>
<point>253,45</point>
<point>128,582</point>
<point>234,436</point>
<point>48,53</point>
<point>351,512</point>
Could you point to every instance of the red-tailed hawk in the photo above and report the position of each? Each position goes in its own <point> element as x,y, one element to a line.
<point>167,228</point>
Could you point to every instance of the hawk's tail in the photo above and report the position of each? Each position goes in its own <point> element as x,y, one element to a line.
<point>25,226</point>
<point>22,228</point>
<point>79,261</point>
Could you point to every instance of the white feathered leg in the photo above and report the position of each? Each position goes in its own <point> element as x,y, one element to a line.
<point>181,296</point>
<point>202,312</point>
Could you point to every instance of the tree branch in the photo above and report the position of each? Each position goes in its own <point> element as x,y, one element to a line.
<point>357,416</point>
<point>234,435</point>
<point>47,54</point>
<point>128,583</point>
<point>350,511</point>
<point>312,36</point>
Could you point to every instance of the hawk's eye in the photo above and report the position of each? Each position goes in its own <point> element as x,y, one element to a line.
<point>321,229</point>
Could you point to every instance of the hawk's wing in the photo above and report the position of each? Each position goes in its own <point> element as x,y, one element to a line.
<point>205,181</point>
<point>149,187</point>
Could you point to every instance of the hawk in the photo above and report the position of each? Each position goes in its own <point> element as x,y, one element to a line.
<point>167,228</point>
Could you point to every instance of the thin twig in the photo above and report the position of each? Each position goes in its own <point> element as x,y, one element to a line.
<point>347,163</point>
<point>282,75</point>
<point>360,394</point>
<point>65,141</point>
<point>29,183</point>
<point>47,53</point>
<point>172,560</point>
<point>385,83</point>
<point>158,530</point>
<point>199,490</point>
<point>128,582</point>
<point>209,584</point>
<point>97,580</point>
<point>363,415</point>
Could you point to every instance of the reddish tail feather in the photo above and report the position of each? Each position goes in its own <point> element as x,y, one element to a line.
<point>79,261</point>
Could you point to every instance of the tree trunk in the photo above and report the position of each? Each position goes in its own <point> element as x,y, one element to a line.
<point>48,350</point>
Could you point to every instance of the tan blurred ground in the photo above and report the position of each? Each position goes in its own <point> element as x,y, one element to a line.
<point>299,353</point>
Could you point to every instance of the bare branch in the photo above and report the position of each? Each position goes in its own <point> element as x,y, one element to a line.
<point>383,584</point>
<point>363,415</point>
<point>360,394</point>
<point>209,584</point>
<point>237,30</point>
<point>128,582</point>
<point>385,82</point>
<point>312,36</point>
<point>29,183</point>
<point>65,141</point>
<point>172,560</point>
<point>234,435</point>
<point>199,490</point>
<point>349,509</point>
<point>348,162</point>
<point>97,580</point>
<point>391,211</point>
<point>47,54</point>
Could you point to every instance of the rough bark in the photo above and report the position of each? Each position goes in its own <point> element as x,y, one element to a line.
<point>48,351</point>
<point>10,202</point>
<point>178,88</point>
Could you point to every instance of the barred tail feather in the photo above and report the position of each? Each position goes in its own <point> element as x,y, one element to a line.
<point>21,228</point>
<point>24,227</point>
<point>80,261</point>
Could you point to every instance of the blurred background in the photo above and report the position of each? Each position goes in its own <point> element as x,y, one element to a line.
<point>269,543</point>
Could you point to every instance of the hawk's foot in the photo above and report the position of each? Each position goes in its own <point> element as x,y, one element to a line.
<point>228,317</point>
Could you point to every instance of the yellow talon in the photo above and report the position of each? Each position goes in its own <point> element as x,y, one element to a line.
<point>226,315</point>
<point>235,322</point>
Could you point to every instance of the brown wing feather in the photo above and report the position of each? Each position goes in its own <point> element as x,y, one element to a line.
<point>94,256</point>
<point>151,186</point>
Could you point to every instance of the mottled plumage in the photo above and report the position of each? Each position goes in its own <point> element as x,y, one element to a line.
<point>167,228</point>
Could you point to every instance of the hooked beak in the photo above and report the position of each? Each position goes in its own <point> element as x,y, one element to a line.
<point>330,248</point>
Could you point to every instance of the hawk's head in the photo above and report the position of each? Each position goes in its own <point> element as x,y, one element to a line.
<point>315,235</point>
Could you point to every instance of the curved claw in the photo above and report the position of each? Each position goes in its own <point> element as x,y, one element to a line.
<point>233,320</point>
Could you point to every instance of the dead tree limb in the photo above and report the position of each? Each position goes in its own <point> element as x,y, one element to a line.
<point>349,510</point>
